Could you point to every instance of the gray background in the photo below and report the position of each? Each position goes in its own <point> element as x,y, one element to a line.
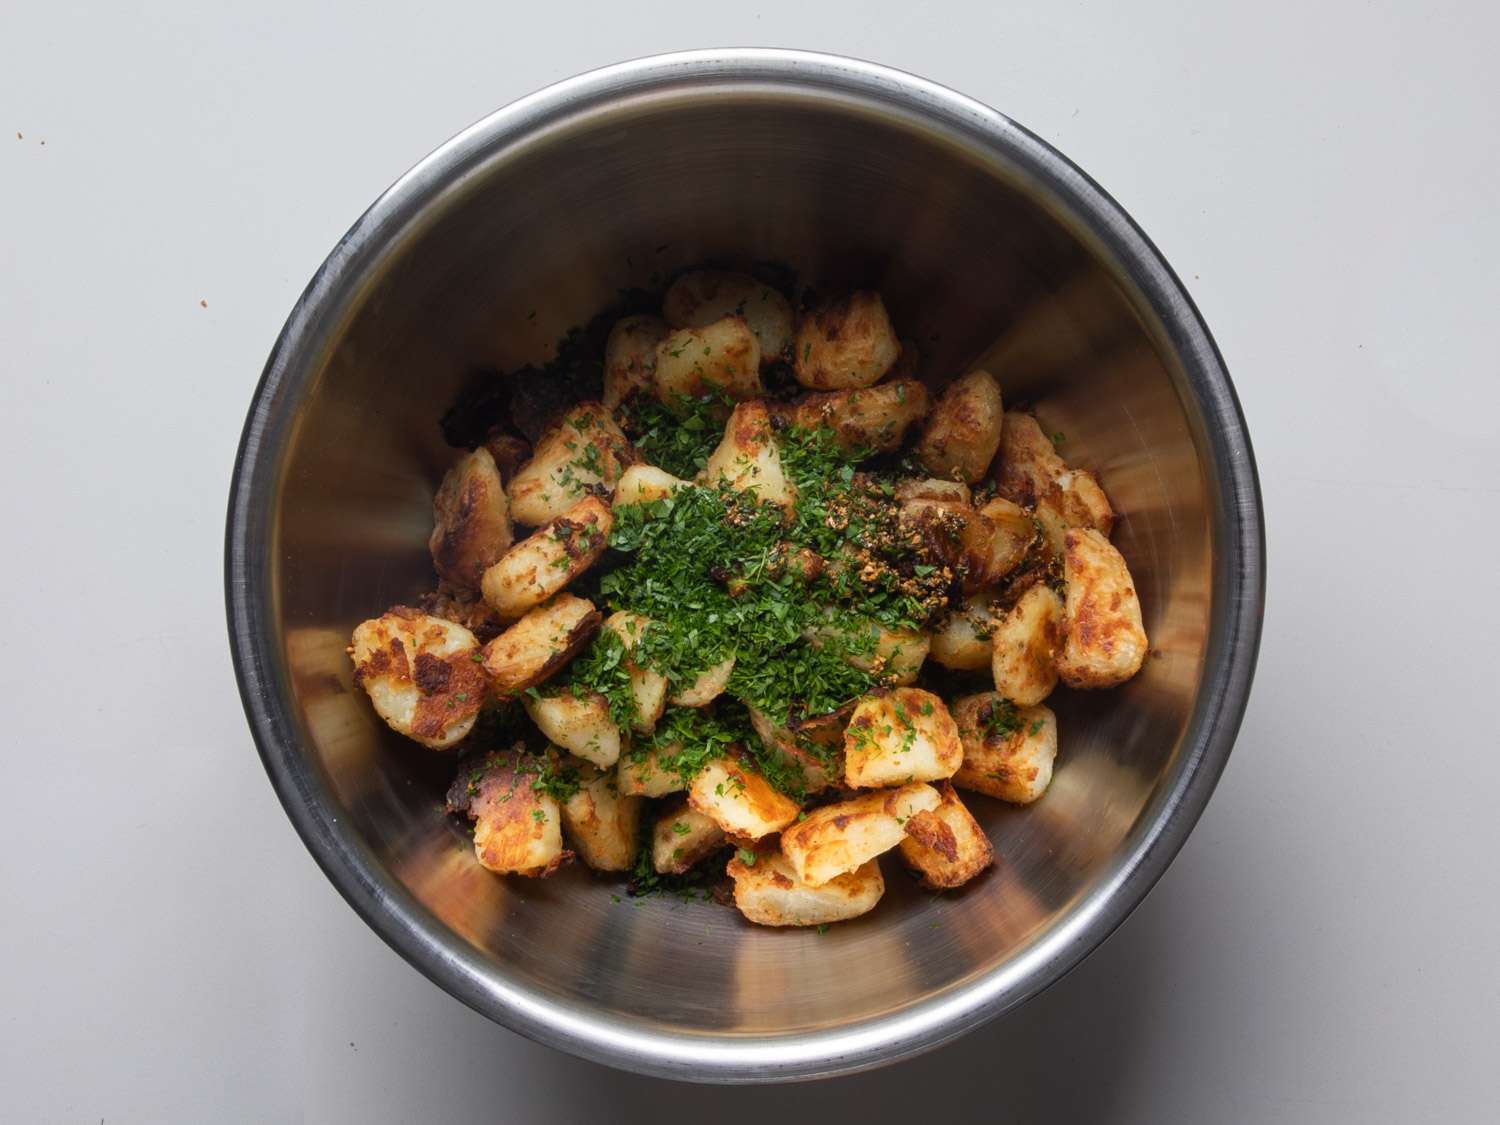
<point>1322,175</point>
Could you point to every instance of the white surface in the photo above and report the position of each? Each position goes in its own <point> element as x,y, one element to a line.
<point>1322,176</point>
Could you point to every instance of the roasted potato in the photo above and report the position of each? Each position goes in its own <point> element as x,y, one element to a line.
<point>962,433</point>
<point>897,654</point>
<point>897,736</point>
<point>933,488</point>
<point>517,830</point>
<point>681,837</point>
<point>961,639</point>
<point>641,484</point>
<point>648,687</point>
<point>578,723</point>
<point>1032,474</point>
<point>768,892</point>
<point>731,793</point>
<point>602,824</point>
<point>1024,645</point>
<point>945,845</point>
<point>721,357</point>
<point>1008,751</point>
<point>1104,640</point>
<point>539,644</point>
<point>845,342</point>
<point>641,771</point>
<point>707,686</point>
<point>701,297</point>
<point>549,558</point>
<point>1014,533</point>
<point>980,552</point>
<point>421,674</point>
<point>470,520</point>
<point>581,454</point>
<point>630,358</point>
<point>839,838</point>
<point>748,459</point>
<point>509,451</point>
<point>873,418</point>
<point>816,749</point>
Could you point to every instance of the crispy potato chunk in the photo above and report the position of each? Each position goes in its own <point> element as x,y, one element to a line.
<point>1105,641</point>
<point>739,800</point>
<point>768,892</point>
<point>836,839</point>
<point>630,357</point>
<point>933,488</point>
<point>641,484</point>
<point>1008,751</point>
<point>901,735</point>
<point>897,653</point>
<point>816,748</point>
<point>1014,534</point>
<point>578,723</point>
<point>421,674</point>
<point>539,644</point>
<point>681,838</point>
<point>873,418</point>
<point>1025,642</point>
<point>582,453</point>
<point>701,297</point>
<point>548,559</point>
<point>961,640</point>
<point>748,459</point>
<point>845,342</point>
<point>648,687</point>
<point>979,551</point>
<point>723,356</point>
<point>1032,474</point>
<point>517,830</point>
<point>602,824</point>
<point>945,845</point>
<point>642,772</point>
<point>963,431</point>
<point>509,451</point>
<point>470,520</point>
<point>705,688</point>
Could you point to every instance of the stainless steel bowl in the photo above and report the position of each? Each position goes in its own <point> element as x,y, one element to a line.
<point>989,246</point>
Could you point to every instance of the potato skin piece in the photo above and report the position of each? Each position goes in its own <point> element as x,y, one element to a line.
<point>517,831</point>
<point>1014,766</point>
<point>420,674</point>
<point>1105,641</point>
<point>540,644</point>
<point>749,458</point>
<point>470,520</point>
<point>962,432</point>
<point>1025,643</point>
<point>739,800</point>
<point>700,297</point>
<point>945,845</point>
<point>681,838</point>
<point>630,357</point>
<point>874,418</point>
<point>901,735</point>
<point>722,356</point>
<point>845,342</point>
<point>578,723</point>
<point>602,825</point>
<point>584,451</point>
<point>548,559</point>
<point>836,839</point>
<point>769,893</point>
<point>1030,473</point>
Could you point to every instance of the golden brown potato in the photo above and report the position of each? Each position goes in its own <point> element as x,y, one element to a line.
<point>548,559</point>
<point>768,892</point>
<point>641,484</point>
<point>836,839</point>
<point>421,674</point>
<point>845,342</point>
<point>945,845</point>
<point>897,654</point>
<point>602,825</point>
<point>540,644</point>
<point>517,830</point>
<point>1032,474</point>
<point>509,451</point>
<point>582,454</point>
<point>1008,751</point>
<point>980,552</point>
<point>470,520</point>
<point>641,771</point>
<point>1014,533</point>
<point>961,639</point>
<point>1104,640</point>
<point>682,837</point>
<point>897,736</point>
<point>648,687</point>
<point>872,418</point>
<point>963,431</point>
<point>933,488</point>
<point>630,358</point>
<point>1025,642</point>
<point>707,686</point>
<point>700,297</point>
<point>748,459</point>
<point>739,800</point>
<point>578,723</point>
<point>721,357</point>
<point>816,749</point>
